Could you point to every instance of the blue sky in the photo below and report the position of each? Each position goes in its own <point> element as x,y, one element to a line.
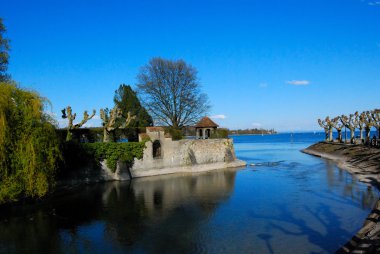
<point>273,64</point>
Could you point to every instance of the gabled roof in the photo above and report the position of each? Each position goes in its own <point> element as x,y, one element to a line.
<point>206,122</point>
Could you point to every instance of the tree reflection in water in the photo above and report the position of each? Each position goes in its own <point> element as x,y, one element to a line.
<point>288,207</point>
<point>140,215</point>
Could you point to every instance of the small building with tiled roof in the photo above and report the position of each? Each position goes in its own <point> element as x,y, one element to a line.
<point>205,127</point>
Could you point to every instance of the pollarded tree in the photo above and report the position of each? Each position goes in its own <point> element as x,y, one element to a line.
<point>338,125</point>
<point>67,114</point>
<point>171,92</point>
<point>361,124</point>
<point>368,124</point>
<point>126,99</point>
<point>351,123</point>
<point>4,55</point>
<point>376,120</point>
<point>325,126</point>
<point>111,123</point>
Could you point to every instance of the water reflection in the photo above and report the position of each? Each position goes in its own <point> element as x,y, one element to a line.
<point>290,203</point>
<point>140,215</point>
<point>351,187</point>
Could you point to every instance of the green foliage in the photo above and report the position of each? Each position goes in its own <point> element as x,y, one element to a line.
<point>220,133</point>
<point>75,157</point>
<point>114,152</point>
<point>29,146</point>
<point>176,134</point>
<point>126,99</point>
<point>4,56</point>
<point>145,138</point>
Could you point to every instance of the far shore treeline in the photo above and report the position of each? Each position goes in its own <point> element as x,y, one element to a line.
<point>364,121</point>
<point>251,131</point>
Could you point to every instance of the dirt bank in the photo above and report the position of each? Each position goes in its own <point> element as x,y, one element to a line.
<point>364,163</point>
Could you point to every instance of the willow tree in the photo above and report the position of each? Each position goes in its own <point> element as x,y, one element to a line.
<point>29,147</point>
<point>171,92</point>
<point>351,122</point>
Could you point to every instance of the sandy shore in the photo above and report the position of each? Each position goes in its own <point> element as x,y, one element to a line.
<point>364,163</point>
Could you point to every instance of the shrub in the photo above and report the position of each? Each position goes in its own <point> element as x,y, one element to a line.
<point>220,133</point>
<point>114,152</point>
<point>29,146</point>
<point>176,134</point>
<point>145,137</point>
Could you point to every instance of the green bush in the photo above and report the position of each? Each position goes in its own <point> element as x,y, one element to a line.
<point>176,134</point>
<point>220,133</point>
<point>114,152</point>
<point>29,146</point>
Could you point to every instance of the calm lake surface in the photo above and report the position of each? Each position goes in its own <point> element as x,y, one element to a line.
<point>289,202</point>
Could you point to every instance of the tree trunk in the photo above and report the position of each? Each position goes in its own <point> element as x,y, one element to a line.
<point>361,133</point>
<point>106,135</point>
<point>326,135</point>
<point>367,135</point>
<point>345,134</point>
<point>69,135</point>
<point>352,135</point>
<point>330,134</point>
<point>340,136</point>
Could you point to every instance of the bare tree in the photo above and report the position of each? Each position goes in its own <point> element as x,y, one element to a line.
<point>171,92</point>
<point>338,125</point>
<point>327,125</point>
<point>369,123</point>
<point>376,120</point>
<point>351,123</point>
<point>110,123</point>
<point>361,124</point>
<point>67,114</point>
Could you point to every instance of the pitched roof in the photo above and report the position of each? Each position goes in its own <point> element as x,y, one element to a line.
<point>206,122</point>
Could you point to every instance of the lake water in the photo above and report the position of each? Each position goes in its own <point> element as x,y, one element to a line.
<point>289,202</point>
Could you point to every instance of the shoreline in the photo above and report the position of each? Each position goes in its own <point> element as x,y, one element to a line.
<point>364,163</point>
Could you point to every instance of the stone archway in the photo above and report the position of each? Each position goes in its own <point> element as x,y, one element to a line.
<point>200,131</point>
<point>208,133</point>
<point>156,149</point>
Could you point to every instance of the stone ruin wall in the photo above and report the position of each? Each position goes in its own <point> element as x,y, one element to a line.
<point>185,156</point>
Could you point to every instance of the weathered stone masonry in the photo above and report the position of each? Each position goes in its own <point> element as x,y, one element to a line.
<point>162,155</point>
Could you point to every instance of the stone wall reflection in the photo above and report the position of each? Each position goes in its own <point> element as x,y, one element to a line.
<point>151,211</point>
<point>124,216</point>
